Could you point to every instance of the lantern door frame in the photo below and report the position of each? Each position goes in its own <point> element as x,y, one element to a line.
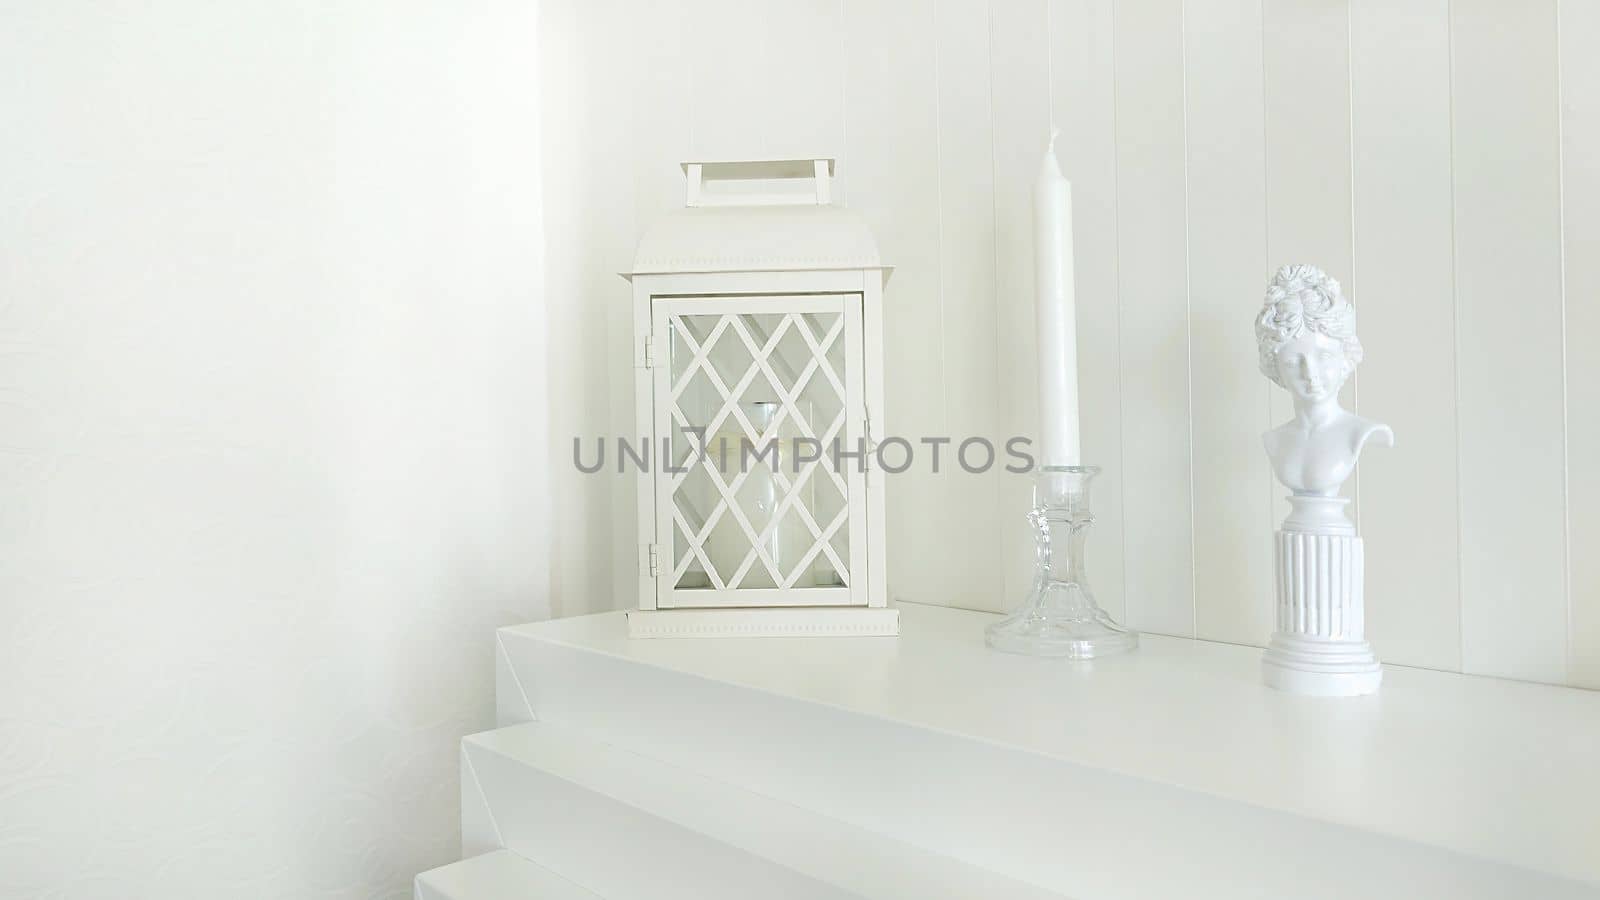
<point>734,314</point>
<point>875,617</point>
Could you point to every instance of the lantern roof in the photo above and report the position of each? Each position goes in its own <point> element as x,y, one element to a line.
<point>756,239</point>
<point>747,216</point>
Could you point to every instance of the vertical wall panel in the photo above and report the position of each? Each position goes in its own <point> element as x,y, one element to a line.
<point>966,301</point>
<point>1400,74</point>
<point>892,161</point>
<point>1159,570</point>
<point>1508,289</point>
<point>1019,53</point>
<point>1227,254</point>
<point>616,207</point>
<point>1580,133</point>
<point>1306,52</point>
<point>767,78</point>
<point>804,61</point>
<point>1084,99</point>
<point>662,88</point>
<point>659,90</point>
<point>727,77</point>
<point>590,227</point>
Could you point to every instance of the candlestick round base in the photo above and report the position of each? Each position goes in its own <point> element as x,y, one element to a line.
<point>1059,617</point>
<point>1057,623</point>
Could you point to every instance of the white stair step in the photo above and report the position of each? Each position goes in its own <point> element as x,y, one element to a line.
<point>1167,772</point>
<point>497,875</point>
<point>614,820</point>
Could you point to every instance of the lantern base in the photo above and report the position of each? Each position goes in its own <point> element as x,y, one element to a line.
<point>834,621</point>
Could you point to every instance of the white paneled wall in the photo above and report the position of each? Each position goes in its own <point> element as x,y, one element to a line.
<point>1437,156</point>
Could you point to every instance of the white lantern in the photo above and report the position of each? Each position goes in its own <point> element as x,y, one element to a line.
<point>758,312</point>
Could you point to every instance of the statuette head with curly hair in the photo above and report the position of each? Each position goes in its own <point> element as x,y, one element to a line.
<point>1306,333</point>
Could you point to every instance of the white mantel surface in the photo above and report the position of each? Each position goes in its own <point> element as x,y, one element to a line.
<point>1498,770</point>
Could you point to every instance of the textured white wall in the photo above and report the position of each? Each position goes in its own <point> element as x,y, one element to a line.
<point>1437,157</point>
<point>272,435</point>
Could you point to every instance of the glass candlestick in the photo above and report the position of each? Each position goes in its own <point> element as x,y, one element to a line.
<point>1059,616</point>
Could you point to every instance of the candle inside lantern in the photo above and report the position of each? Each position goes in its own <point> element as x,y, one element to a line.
<point>1056,314</point>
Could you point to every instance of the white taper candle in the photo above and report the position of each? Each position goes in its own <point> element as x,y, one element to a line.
<point>1057,314</point>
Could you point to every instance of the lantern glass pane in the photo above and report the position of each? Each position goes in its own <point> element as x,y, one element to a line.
<point>757,405</point>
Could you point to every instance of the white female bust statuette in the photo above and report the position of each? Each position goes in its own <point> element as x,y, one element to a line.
<point>1306,334</point>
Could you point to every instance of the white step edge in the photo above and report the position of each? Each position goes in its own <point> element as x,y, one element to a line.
<point>517,769</point>
<point>1116,779</point>
<point>497,875</point>
<point>606,845</point>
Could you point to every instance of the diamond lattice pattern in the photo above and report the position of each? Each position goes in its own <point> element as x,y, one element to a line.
<point>757,401</point>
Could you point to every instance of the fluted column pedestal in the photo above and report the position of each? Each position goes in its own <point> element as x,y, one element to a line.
<point>1319,647</point>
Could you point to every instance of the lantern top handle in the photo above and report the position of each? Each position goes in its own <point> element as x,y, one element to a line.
<point>760,182</point>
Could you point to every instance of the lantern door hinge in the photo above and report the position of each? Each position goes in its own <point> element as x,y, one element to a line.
<point>871,448</point>
<point>652,560</point>
<point>649,351</point>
